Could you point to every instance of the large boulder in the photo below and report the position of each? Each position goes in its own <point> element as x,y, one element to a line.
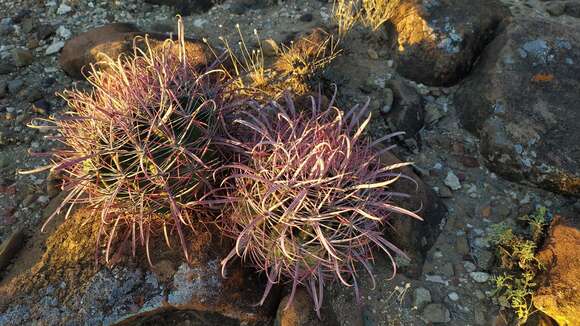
<point>559,295</point>
<point>437,42</point>
<point>114,40</point>
<point>66,287</point>
<point>522,101</point>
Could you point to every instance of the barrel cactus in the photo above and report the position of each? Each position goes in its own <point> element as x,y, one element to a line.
<point>139,146</point>
<point>311,199</point>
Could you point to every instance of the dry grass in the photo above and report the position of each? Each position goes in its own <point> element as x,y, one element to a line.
<point>370,13</point>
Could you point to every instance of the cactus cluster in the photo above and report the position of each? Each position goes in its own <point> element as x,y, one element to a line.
<point>300,188</point>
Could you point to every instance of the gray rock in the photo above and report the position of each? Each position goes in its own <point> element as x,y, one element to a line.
<point>22,57</point>
<point>438,44</point>
<point>387,100</point>
<point>55,47</point>
<point>479,277</point>
<point>484,259</point>
<point>421,297</point>
<point>452,181</point>
<point>15,85</point>
<point>556,8</point>
<point>436,313</point>
<point>522,102</point>
<point>453,296</point>
<point>7,67</point>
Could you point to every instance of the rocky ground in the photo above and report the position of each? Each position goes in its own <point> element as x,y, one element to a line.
<point>492,138</point>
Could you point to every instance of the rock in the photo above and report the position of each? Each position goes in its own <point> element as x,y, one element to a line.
<point>436,313</point>
<point>372,54</point>
<point>484,258</point>
<point>557,295</point>
<point>439,42</point>
<point>114,40</point>
<point>63,9</point>
<point>63,32</point>
<point>421,297</point>
<point>6,68</point>
<point>452,181</point>
<point>10,247</point>
<point>15,85</point>
<point>479,277</point>
<point>573,9</point>
<point>388,99</point>
<point>453,296</point>
<point>522,101</point>
<point>301,312</point>
<point>186,7</point>
<point>406,113</point>
<point>47,291</point>
<point>556,8</point>
<point>413,236</point>
<point>432,114</point>
<point>445,192</point>
<point>22,57</point>
<point>55,47</point>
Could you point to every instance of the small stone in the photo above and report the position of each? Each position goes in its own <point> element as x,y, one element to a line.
<point>390,63</point>
<point>306,17</point>
<point>447,270</point>
<point>388,99</point>
<point>444,192</point>
<point>479,277</point>
<point>3,89</point>
<point>432,114</point>
<point>63,32</point>
<point>6,68</point>
<point>41,107</point>
<point>484,259</point>
<point>462,246</point>
<point>15,85</point>
<point>452,181</point>
<point>469,266</point>
<point>453,296</point>
<point>55,47</point>
<point>63,9</point>
<point>372,54</point>
<point>421,297</point>
<point>270,47</point>
<point>556,8</point>
<point>22,57</point>
<point>436,313</point>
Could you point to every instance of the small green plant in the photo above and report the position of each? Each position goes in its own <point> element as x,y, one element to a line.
<point>515,285</point>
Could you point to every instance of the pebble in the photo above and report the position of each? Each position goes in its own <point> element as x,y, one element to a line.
<point>421,297</point>
<point>15,85</point>
<point>469,266</point>
<point>388,99</point>
<point>63,9</point>
<point>480,277</point>
<point>22,57</point>
<point>452,181</point>
<point>63,32</point>
<point>453,296</point>
<point>373,54</point>
<point>55,47</point>
<point>444,192</point>
<point>484,259</point>
<point>436,313</point>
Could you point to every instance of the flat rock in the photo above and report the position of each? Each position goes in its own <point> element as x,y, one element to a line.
<point>522,101</point>
<point>438,42</point>
<point>66,287</point>
<point>114,40</point>
<point>436,313</point>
